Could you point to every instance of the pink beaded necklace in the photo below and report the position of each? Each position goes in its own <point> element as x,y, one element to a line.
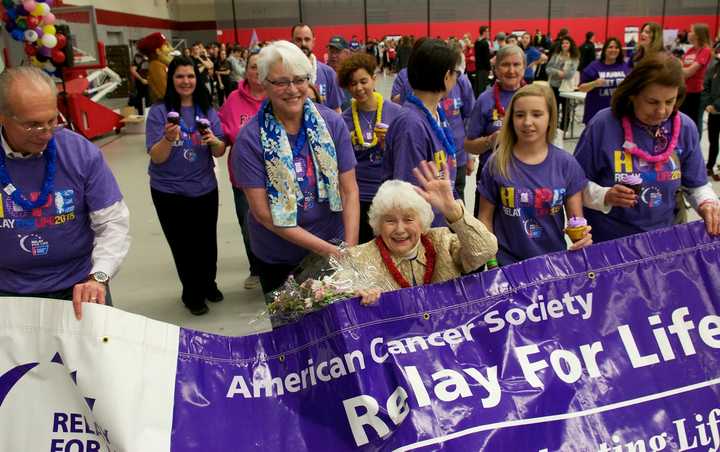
<point>632,148</point>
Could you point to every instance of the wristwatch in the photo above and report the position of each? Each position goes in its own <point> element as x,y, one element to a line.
<point>100,277</point>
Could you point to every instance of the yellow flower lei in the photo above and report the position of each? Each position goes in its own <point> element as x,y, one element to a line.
<point>356,121</point>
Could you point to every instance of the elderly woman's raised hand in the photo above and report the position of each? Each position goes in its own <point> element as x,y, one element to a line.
<point>437,190</point>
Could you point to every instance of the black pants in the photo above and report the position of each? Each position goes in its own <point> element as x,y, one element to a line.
<point>366,232</point>
<point>564,118</point>
<point>713,136</point>
<point>691,107</point>
<point>242,210</point>
<point>273,276</point>
<point>64,294</point>
<point>460,182</point>
<point>190,227</point>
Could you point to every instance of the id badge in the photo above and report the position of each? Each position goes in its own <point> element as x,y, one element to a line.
<point>300,169</point>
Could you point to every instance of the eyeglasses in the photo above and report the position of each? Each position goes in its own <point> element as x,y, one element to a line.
<point>285,84</point>
<point>51,127</point>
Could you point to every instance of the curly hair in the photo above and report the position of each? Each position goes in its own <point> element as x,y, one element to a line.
<point>353,63</point>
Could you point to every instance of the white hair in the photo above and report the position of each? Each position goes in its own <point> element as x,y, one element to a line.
<point>32,76</point>
<point>506,51</point>
<point>398,194</point>
<point>292,58</point>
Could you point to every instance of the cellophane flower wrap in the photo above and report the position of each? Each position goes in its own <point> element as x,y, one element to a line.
<point>318,282</point>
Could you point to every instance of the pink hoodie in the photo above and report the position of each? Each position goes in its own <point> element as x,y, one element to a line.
<point>237,110</point>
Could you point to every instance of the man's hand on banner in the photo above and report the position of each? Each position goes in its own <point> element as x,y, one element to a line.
<point>88,292</point>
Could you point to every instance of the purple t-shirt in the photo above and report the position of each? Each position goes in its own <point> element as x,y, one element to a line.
<point>49,248</point>
<point>599,98</point>
<point>248,163</point>
<point>600,153</point>
<point>410,140</point>
<point>369,160</point>
<point>529,207</point>
<point>485,119</point>
<point>457,106</point>
<point>330,93</point>
<point>401,86</point>
<point>189,169</point>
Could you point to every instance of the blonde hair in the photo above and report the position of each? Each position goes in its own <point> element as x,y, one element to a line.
<point>502,157</point>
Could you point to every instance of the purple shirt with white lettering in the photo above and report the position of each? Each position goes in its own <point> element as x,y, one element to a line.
<point>485,120</point>
<point>330,93</point>
<point>599,98</point>
<point>409,141</point>
<point>49,248</point>
<point>189,169</point>
<point>458,106</point>
<point>601,154</point>
<point>369,160</point>
<point>248,163</point>
<point>529,212</point>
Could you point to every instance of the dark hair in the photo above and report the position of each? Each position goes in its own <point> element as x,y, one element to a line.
<point>352,64</point>
<point>484,28</point>
<point>574,52</point>
<point>429,62</point>
<point>621,56</point>
<point>660,69</point>
<point>201,98</point>
<point>300,25</point>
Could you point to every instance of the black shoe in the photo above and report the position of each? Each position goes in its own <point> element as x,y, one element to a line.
<point>214,295</point>
<point>199,310</point>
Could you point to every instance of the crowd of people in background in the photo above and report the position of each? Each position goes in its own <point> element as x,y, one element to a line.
<point>317,156</point>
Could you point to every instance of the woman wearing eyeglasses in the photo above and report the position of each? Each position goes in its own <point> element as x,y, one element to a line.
<point>296,165</point>
<point>422,132</point>
<point>183,134</point>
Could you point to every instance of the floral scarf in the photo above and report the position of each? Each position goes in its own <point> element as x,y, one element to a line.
<point>283,189</point>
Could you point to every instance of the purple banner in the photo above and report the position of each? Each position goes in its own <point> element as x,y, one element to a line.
<point>612,348</point>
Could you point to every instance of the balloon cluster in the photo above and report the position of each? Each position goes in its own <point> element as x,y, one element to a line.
<point>31,22</point>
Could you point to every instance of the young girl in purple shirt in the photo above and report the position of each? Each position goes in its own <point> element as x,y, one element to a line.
<point>528,184</point>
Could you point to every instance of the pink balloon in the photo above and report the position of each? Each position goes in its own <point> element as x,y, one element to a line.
<point>49,19</point>
<point>29,5</point>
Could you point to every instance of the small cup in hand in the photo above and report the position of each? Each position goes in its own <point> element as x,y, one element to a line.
<point>203,125</point>
<point>173,118</point>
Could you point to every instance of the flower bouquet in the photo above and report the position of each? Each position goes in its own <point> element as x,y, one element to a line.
<point>317,282</point>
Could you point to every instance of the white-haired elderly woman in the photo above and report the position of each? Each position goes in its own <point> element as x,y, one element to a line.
<point>295,163</point>
<point>406,252</point>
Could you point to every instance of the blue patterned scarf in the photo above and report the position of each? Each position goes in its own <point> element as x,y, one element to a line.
<point>283,189</point>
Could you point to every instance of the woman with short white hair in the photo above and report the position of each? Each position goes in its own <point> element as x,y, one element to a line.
<point>295,163</point>
<point>406,251</point>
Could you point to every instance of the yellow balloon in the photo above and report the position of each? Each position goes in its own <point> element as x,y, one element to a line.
<point>41,9</point>
<point>49,29</point>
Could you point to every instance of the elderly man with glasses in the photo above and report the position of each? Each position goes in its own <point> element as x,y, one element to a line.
<point>63,223</point>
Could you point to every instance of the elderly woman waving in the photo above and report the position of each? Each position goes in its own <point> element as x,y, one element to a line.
<point>296,165</point>
<point>406,251</point>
